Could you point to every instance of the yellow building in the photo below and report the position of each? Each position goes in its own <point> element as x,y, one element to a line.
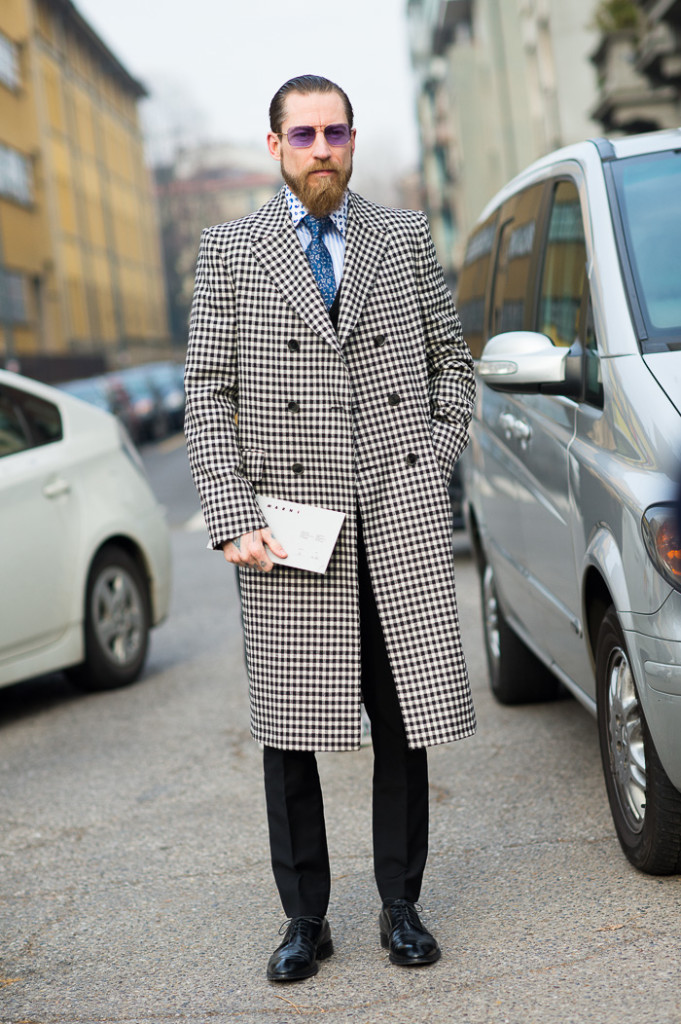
<point>80,261</point>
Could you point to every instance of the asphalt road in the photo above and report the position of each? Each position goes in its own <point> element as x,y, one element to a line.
<point>134,878</point>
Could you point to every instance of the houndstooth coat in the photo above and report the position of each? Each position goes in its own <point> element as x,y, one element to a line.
<point>373,416</point>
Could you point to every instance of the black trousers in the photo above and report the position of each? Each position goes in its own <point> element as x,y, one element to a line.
<point>295,808</point>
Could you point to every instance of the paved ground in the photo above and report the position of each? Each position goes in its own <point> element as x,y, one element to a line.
<point>135,885</point>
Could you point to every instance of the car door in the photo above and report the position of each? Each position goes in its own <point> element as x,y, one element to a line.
<point>546,424</point>
<point>38,527</point>
<point>499,445</point>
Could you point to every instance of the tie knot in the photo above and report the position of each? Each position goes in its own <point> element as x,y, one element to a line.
<point>316,226</point>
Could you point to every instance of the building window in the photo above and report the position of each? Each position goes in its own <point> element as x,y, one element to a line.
<point>9,62</point>
<point>15,175</point>
<point>12,298</point>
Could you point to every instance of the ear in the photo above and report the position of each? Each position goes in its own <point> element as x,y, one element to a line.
<point>353,133</point>
<point>274,145</point>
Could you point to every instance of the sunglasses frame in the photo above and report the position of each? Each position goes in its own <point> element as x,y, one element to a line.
<point>325,128</point>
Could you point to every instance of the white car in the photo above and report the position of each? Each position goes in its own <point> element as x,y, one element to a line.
<point>84,545</point>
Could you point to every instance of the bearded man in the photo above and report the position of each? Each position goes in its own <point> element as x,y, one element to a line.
<point>327,367</point>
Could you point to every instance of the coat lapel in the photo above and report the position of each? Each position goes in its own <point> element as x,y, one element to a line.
<point>276,246</point>
<point>366,243</point>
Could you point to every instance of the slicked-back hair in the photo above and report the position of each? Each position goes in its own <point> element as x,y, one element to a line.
<point>304,84</point>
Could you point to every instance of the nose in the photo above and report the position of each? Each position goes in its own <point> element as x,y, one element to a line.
<point>320,147</point>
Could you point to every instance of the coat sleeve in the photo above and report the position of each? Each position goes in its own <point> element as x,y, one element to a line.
<point>211,385</point>
<point>451,378</point>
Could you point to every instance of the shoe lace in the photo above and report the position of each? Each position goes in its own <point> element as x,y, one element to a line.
<point>404,912</point>
<point>292,925</point>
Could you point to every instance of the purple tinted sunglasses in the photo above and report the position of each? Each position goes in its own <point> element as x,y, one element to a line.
<point>303,135</point>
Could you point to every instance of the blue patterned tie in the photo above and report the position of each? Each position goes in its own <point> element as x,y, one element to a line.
<point>320,258</point>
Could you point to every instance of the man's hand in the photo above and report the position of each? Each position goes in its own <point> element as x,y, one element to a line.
<point>249,550</point>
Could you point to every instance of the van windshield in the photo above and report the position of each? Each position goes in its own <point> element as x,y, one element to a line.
<point>649,194</point>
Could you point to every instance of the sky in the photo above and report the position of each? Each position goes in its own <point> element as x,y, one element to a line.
<point>214,66</point>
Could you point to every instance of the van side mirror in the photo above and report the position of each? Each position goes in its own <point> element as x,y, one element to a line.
<point>528,362</point>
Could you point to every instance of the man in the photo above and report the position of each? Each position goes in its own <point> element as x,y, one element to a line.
<point>327,367</point>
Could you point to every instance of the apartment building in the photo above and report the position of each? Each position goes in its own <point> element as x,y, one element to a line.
<point>499,83</point>
<point>81,279</point>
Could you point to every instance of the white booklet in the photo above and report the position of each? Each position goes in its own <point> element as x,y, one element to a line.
<point>308,534</point>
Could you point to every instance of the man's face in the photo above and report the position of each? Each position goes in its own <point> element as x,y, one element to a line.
<point>318,175</point>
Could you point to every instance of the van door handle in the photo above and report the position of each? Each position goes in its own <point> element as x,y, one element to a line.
<point>523,431</point>
<point>516,428</point>
<point>56,488</point>
<point>507,422</point>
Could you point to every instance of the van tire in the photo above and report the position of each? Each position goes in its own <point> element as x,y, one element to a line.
<point>645,806</point>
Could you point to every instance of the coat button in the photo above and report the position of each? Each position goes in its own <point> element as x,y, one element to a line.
<point>411,459</point>
<point>297,468</point>
<point>394,399</point>
<point>293,407</point>
<point>379,340</point>
<point>294,345</point>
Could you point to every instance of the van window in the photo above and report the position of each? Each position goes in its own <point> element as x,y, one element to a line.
<point>564,271</point>
<point>512,273</point>
<point>649,193</point>
<point>473,284</point>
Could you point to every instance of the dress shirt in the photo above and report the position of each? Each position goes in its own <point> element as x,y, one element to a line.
<point>333,238</point>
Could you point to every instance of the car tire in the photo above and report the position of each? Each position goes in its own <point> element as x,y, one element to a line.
<point>645,806</point>
<point>516,675</point>
<point>117,622</point>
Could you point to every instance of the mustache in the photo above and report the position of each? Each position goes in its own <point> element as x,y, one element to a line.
<point>322,165</point>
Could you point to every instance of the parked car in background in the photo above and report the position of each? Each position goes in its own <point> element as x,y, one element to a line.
<point>106,392</point>
<point>93,390</point>
<point>84,545</point>
<point>168,380</point>
<point>146,401</point>
<point>570,297</point>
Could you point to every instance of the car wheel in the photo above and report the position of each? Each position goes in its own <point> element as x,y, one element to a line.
<point>116,622</point>
<point>516,675</point>
<point>645,806</point>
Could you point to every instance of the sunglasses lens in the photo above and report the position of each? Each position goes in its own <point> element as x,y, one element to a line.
<point>337,134</point>
<point>301,137</point>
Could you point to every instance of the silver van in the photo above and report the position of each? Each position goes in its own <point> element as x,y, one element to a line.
<point>570,297</point>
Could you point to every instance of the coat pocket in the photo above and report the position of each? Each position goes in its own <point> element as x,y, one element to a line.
<point>252,464</point>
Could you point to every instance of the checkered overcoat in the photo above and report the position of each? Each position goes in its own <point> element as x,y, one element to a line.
<point>373,416</point>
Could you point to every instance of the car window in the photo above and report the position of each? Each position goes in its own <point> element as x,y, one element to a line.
<point>473,284</point>
<point>649,193</point>
<point>512,275</point>
<point>13,432</point>
<point>26,421</point>
<point>564,270</point>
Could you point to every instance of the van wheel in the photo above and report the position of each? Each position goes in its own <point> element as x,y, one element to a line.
<point>116,623</point>
<point>516,675</point>
<point>645,806</point>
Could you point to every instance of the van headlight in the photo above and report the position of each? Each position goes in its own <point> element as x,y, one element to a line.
<point>661,527</point>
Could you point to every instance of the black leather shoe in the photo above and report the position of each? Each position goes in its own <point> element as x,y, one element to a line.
<point>402,933</point>
<point>307,940</point>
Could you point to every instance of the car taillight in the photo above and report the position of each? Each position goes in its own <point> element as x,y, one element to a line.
<point>661,526</point>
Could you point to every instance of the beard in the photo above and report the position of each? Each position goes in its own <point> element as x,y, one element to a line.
<point>322,196</point>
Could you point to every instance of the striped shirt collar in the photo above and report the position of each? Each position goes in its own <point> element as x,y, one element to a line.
<point>339,217</point>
